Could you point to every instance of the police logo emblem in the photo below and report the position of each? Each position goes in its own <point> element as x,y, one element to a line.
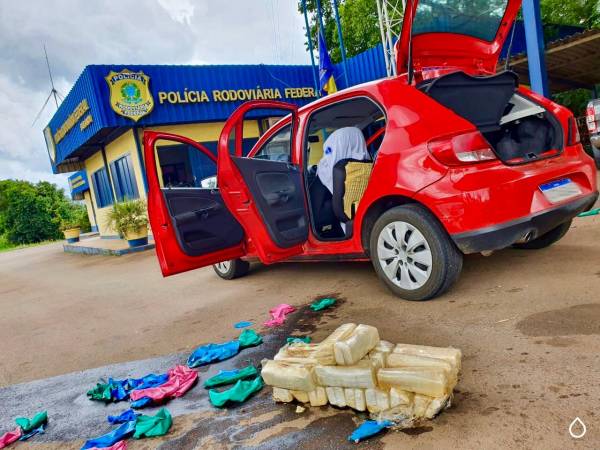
<point>130,94</point>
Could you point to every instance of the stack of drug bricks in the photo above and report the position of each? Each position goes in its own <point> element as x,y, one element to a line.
<point>354,368</point>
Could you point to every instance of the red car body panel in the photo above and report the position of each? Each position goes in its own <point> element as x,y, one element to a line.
<point>464,198</point>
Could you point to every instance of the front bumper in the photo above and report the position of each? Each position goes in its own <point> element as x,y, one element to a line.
<point>529,228</point>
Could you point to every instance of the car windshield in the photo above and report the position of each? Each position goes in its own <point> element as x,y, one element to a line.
<point>477,18</point>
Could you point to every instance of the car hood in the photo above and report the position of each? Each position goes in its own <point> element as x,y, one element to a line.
<point>463,34</point>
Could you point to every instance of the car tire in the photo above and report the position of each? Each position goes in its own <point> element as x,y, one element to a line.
<point>414,272</point>
<point>546,240</point>
<point>234,268</point>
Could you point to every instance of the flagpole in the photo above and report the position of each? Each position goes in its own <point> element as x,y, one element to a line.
<point>310,49</point>
<point>341,38</point>
<point>320,16</point>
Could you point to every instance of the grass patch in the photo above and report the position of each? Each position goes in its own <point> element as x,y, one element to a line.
<point>6,246</point>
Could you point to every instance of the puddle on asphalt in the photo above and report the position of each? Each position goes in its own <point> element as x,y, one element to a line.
<point>578,319</point>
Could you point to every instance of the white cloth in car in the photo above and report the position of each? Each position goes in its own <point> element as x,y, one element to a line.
<point>345,143</point>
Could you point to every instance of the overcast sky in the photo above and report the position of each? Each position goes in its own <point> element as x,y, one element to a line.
<point>77,33</point>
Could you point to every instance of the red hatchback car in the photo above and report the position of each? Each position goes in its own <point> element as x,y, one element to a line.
<point>461,160</point>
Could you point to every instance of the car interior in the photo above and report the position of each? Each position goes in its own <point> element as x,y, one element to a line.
<point>518,129</point>
<point>331,215</point>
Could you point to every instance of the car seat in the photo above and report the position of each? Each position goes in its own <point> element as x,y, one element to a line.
<point>350,181</point>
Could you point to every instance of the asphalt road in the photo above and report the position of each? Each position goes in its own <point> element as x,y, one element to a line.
<point>528,324</point>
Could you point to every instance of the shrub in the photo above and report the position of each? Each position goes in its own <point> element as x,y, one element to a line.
<point>129,215</point>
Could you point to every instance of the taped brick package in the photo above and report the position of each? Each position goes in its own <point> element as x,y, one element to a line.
<point>353,368</point>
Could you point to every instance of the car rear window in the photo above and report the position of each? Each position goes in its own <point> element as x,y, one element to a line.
<point>477,18</point>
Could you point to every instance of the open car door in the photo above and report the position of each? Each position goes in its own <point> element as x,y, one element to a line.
<point>265,196</point>
<point>191,225</point>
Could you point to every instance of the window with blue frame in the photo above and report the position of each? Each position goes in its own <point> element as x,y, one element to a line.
<point>102,188</point>
<point>124,178</point>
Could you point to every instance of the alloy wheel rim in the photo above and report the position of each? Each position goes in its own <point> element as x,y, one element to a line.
<point>223,267</point>
<point>404,255</point>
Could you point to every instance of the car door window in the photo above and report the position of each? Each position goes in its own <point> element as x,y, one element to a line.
<point>278,147</point>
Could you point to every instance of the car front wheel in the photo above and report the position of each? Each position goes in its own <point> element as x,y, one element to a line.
<point>412,253</point>
<point>234,268</point>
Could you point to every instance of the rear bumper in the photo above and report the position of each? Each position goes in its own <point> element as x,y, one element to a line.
<point>530,227</point>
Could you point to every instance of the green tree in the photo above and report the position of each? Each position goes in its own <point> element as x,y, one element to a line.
<point>32,213</point>
<point>360,26</point>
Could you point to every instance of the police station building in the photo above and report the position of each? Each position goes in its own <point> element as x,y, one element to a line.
<point>97,130</point>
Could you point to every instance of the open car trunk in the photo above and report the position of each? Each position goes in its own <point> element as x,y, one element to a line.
<point>518,129</point>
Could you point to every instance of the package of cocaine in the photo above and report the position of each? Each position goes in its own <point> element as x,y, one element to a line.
<point>353,368</point>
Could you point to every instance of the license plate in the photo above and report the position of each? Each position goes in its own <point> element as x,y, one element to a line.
<point>560,190</point>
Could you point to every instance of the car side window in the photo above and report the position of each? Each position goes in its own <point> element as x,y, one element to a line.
<point>278,147</point>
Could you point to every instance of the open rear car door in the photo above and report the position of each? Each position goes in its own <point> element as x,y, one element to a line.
<point>265,196</point>
<point>256,205</point>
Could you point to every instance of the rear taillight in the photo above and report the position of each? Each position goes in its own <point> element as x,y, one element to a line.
<point>574,137</point>
<point>465,148</point>
<point>590,118</point>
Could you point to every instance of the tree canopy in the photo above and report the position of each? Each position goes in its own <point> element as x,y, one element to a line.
<point>32,213</point>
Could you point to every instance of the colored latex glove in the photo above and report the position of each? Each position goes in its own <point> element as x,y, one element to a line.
<point>125,416</point>
<point>230,376</point>
<point>279,314</point>
<point>39,430</point>
<point>141,403</point>
<point>242,324</point>
<point>181,380</point>
<point>591,212</point>
<point>238,393</point>
<point>147,381</point>
<point>303,339</point>
<point>367,429</point>
<point>153,426</point>
<point>324,303</point>
<point>213,352</point>
<point>249,338</point>
<point>121,445</point>
<point>27,425</point>
<point>110,439</point>
<point>103,392</point>
<point>8,438</point>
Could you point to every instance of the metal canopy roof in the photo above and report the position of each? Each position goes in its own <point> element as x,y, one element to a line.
<point>573,62</point>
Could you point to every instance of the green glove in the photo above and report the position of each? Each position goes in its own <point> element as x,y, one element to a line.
<point>102,392</point>
<point>230,376</point>
<point>28,425</point>
<point>238,393</point>
<point>305,339</point>
<point>591,212</point>
<point>324,303</point>
<point>153,426</point>
<point>249,338</point>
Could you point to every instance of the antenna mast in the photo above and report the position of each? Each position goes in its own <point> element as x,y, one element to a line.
<point>390,13</point>
<point>53,92</point>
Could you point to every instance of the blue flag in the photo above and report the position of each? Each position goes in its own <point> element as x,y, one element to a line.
<point>326,79</point>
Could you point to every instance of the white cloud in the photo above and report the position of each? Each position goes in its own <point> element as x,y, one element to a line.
<point>129,31</point>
